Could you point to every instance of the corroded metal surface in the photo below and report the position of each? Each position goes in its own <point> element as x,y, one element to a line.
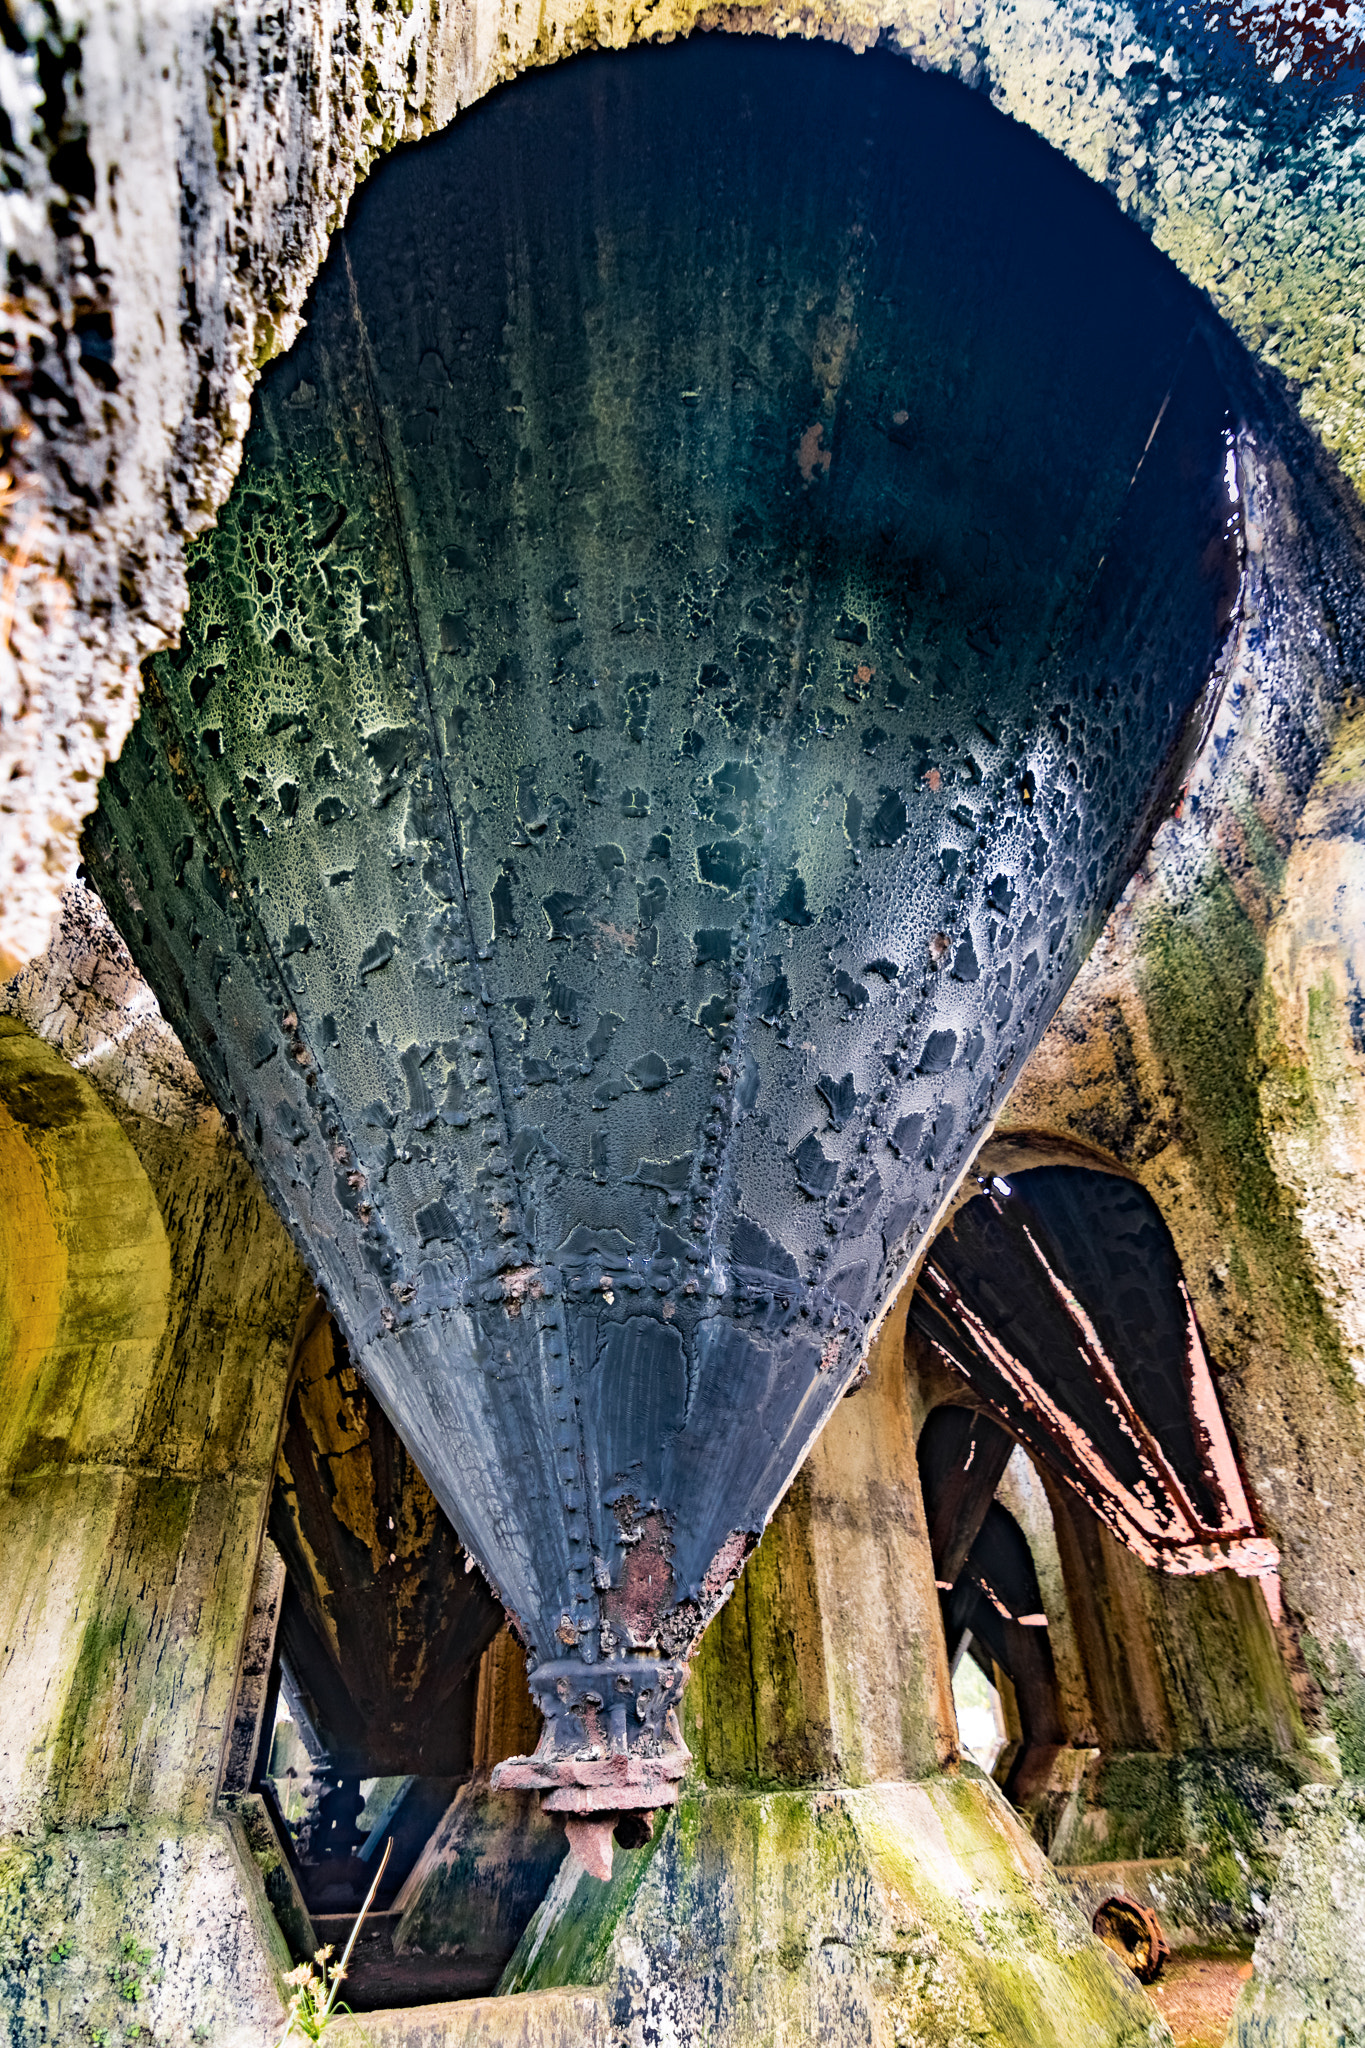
<point>180,184</point>
<point>386,1622</point>
<point>1058,1295</point>
<point>713,606</point>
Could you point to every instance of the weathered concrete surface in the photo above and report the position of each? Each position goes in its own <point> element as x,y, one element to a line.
<point>480,1878</point>
<point>121,1934</point>
<point>1307,1988</point>
<point>1174,1664</point>
<point>173,181</point>
<point>1226,1814</point>
<point>151,1305</point>
<point>1173,1887</point>
<point>83,996</point>
<point>1211,1046</point>
<point>252,1824</point>
<point>1175,1056</point>
<point>1185,1737</point>
<point>1155,1057</point>
<point>541,2019</point>
<point>247,1731</point>
<point>1023,1494</point>
<point>148,1300</point>
<point>1199,1745</point>
<point>1311,1033</point>
<point>828,1664</point>
<point>489,1863</point>
<point>915,1913</point>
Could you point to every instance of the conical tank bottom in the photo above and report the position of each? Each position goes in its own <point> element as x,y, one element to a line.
<point>711,610</point>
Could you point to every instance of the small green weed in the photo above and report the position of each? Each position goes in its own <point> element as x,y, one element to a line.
<point>60,1950</point>
<point>127,1971</point>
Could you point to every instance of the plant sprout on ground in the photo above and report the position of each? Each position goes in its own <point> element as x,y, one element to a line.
<point>314,2002</point>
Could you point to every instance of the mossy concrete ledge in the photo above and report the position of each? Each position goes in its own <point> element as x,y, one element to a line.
<point>538,2019</point>
<point>917,1914</point>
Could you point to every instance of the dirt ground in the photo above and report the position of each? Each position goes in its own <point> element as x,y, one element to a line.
<point>1195,1995</point>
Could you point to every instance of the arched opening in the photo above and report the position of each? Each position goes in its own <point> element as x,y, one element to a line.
<point>1058,1295</point>
<point>394,1688</point>
<point>713,608</point>
<point>1093,1542</point>
<point>989,1593</point>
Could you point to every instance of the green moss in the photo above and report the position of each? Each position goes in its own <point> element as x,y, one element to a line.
<point>1139,1794</point>
<point>902,1912</point>
<point>1263,850</point>
<point>498,1858</point>
<point>1013,1961</point>
<point>114,1671</point>
<point>1324,1014</point>
<point>282,1894</point>
<point>1201,972</point>
<point>1225,1809</point>
<point>1240,1271</point>
<point>569,1939</point>
<point>759,1689</point>
<point>1342,1683</point>
<point>102,1640</point>
<point>42,1099</point>
<point>1231,1823</point>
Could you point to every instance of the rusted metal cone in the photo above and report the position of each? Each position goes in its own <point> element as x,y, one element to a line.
<point>712,608</point>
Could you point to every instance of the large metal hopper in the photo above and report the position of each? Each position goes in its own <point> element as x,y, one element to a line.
<point>712,609</point>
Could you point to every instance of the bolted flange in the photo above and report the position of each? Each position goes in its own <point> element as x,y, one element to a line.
<point>611,1743</point>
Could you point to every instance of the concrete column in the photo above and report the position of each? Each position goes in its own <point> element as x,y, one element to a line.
<point>1186,1748</point>
<point>832,1873</point>
<point>1202,1751</point>
<point>148,1300</point>
<point>828,1663</point>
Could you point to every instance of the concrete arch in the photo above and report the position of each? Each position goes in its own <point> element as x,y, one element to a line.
<point>1207,1049</point>
<point>1191,1624</point>
<point>1176,1701</point>
<point>85,1268</point>
<point>148,1297</point>
<point>85,1286</point>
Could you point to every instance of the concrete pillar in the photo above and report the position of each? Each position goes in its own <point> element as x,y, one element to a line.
<point>148,1301</point>
<point>828,1664</point>
<point>1185,1745</point>
<point>1201,1749</point>
<point>1307,1988</point>
<point>832,1872</point>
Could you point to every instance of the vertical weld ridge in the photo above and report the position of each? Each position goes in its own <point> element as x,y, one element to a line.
<point>414,619</point>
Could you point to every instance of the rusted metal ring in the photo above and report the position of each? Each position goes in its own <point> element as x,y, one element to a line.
<point>1134,1933</point>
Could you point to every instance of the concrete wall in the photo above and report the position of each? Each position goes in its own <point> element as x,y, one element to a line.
<point>148,1302</point>
<point>1210,1047</point>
